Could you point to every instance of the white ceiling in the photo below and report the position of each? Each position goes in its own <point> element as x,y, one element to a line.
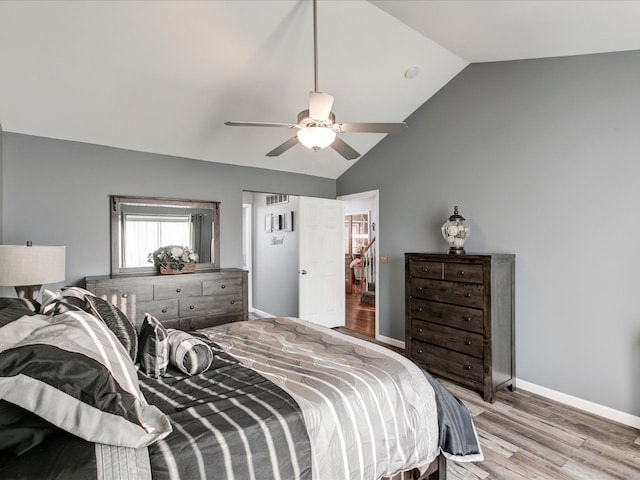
<point>163,76</point>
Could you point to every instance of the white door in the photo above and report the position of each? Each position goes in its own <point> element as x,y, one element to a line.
<point>321,266</point>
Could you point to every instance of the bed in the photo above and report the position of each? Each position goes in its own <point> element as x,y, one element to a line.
<point>280,398</point>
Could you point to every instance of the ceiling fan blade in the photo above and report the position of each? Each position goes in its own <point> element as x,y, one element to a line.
<point>344,149</point>
<point>320,105</point>
<point>370,127</point>
<point>260,124</point>
<point>292,142</point>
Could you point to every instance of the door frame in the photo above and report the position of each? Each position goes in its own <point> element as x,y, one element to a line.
<point>247,232</point>
<point>376,201</point>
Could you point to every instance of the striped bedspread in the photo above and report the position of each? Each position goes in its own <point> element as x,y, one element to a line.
<point>368,412</point>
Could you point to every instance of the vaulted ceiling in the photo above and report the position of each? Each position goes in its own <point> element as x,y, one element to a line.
<point>164,76</point>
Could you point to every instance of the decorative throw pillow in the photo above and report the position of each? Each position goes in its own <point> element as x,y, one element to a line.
<point>187,353</point>
<point>76,298</point>
<point>71,370</point>
<point>12,309</point>
<point>154,347</point>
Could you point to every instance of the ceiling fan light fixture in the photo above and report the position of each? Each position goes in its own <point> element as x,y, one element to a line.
<point>316,138</point>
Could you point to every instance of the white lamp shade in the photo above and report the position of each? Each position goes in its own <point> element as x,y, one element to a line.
<point>316,138</point>
<point>21,265</point>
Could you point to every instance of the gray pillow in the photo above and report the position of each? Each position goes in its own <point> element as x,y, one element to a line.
<point>187,353</point>
<point>154,347</point>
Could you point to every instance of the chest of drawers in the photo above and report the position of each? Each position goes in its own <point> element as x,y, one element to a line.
<point>459,318</point>
<point>188,301</point>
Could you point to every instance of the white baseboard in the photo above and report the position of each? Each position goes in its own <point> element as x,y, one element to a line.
<point>262,314</point>
<point>586,405</point>
<point>390,341</point>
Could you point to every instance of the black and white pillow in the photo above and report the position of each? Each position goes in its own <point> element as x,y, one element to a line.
<point>75,298</point>
<point>154,347</point>
<point>187,353</point>
<point>71,370</point>
<point>20,430</point>
<point>12,309</point>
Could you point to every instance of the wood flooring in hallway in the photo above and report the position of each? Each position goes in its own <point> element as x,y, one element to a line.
<point>360,317</point>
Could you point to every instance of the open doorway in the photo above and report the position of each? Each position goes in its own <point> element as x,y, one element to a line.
<point>361,261</point>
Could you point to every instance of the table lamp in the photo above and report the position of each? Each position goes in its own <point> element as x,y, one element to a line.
<point>28,267</point>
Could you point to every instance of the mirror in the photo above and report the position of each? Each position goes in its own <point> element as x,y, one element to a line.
<point>140,225</point>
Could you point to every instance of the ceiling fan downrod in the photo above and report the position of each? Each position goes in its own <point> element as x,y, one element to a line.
<point>315,46</point>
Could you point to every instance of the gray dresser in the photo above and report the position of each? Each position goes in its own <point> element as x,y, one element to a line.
<point>187,301</point>
<point>460,318</point>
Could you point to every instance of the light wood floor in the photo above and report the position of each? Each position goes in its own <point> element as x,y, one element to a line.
<point>526,437</point>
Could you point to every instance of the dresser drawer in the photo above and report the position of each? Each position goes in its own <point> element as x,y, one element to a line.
<point>463,272</point>
<point>119,293</point>
<point>177,289</point>
<point>199,323</point>
<point>207,306</point>
<point>161,309</point>
<point>225,285</point>
<point>447,363</point>
<point>426,269</point>
<point>465,318</point>
<point>465,294</point>
<point>461,341</point>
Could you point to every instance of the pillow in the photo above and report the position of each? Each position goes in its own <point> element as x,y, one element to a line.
<point>70,370</point>
<point>154,347</point>
<point>187,353</point>
<point>75,298</point>
<point>20,430</point>
<point>13,308</point>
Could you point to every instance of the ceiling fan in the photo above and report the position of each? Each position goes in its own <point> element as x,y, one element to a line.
<point>317,127</point>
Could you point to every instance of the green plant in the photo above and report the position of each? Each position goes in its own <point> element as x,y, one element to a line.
<point>172,256</point>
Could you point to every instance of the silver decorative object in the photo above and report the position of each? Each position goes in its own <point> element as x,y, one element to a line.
<point>455,231</point>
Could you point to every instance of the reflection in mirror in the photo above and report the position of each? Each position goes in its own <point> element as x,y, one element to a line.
<point>140,225</point>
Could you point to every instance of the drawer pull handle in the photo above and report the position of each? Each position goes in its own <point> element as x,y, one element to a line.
<point>425,269</point>
<point>164,310</point>
<point>461,272</point>
<point>419,309</point>
<point>420,289</point>
<point>125,295</point>
<point>232,302</point>
<point>178,290</point>
<point>223,286</point>
<point>467,342</point>
<point>467,295</point>
<point>191,307</point>
<point>420,350</point>
<point>468,367</point>
<point>191,327</point>
<point>419,329</point>
<point>467,319</point>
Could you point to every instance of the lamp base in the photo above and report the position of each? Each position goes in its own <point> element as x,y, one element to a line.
<point>30,292</point>
<point>456,251</point>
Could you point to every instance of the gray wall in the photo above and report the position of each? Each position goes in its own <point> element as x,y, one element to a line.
<point>275,267</point>
<point>57,192</point>
<point>1,198</point>
<point>543,158</point>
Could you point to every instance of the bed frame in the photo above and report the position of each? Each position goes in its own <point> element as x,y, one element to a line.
<point>437,470</point>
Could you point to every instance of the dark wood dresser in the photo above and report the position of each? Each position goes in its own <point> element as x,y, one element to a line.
<point>459,316</point>
<point>188,301</point>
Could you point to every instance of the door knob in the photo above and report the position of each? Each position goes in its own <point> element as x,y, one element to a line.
<point>303,272</point>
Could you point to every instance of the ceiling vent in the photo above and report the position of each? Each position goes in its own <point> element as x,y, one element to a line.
<point>277,198</point>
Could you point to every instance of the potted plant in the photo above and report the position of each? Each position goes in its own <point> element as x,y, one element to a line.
<point>173,259</point>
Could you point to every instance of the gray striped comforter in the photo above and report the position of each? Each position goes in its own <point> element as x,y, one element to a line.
<point>368,412</point>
